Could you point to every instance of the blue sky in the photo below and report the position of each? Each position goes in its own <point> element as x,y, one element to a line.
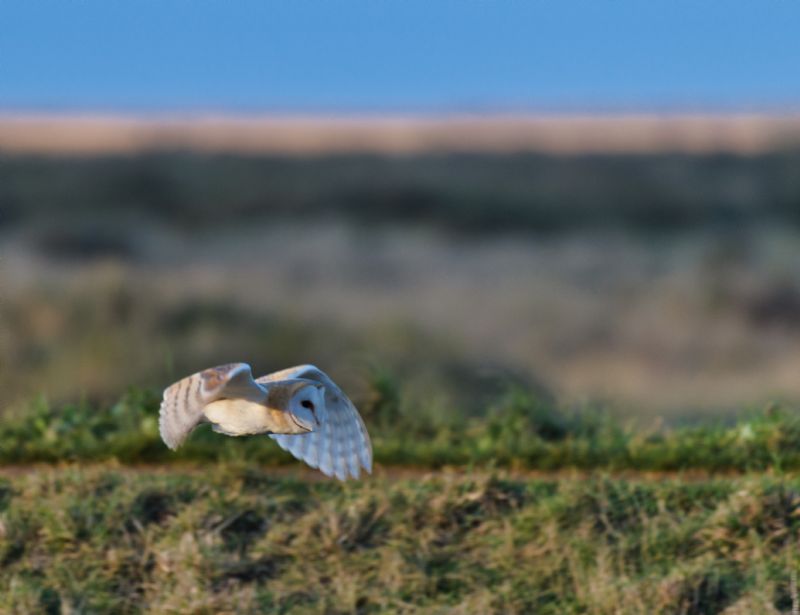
<point>399,56</point>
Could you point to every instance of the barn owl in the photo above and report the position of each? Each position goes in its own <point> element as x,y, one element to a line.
<point>300,408</point>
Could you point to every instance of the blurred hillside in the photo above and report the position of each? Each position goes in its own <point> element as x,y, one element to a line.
<point>474,193</point>
<point>660,281</point>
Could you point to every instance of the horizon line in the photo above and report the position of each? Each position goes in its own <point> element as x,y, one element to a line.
<point>316,134</point>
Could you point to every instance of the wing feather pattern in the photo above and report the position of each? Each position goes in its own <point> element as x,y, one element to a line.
<point>183,402</point>
<point>340,446</point>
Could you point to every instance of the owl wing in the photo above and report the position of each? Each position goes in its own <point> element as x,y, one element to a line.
<point>340,446</point>
<point>183,402</point>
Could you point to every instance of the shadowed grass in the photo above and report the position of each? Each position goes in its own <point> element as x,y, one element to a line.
<point>106,539</point>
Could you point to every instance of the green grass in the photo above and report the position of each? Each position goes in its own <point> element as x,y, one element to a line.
<point>233,539</point>
<point>215,528</point>
<point>518,431</point>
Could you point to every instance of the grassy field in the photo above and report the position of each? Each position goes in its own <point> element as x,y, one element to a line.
<point>234,538</point>
<point>530,508</point>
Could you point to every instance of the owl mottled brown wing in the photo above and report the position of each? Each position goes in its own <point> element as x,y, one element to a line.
<point>183,403</point>
<point>340,446</point>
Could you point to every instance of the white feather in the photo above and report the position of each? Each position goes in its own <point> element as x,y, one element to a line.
<point>340,446</point>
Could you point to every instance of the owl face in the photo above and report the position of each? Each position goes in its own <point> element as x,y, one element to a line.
<point>307,406</point>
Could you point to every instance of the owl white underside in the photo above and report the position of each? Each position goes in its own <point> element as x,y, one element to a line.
<point>236,417</point>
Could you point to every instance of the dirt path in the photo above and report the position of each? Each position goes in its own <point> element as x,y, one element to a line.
<point>393,473</point>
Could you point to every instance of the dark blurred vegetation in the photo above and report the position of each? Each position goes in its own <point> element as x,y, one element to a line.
<point>461,193</point>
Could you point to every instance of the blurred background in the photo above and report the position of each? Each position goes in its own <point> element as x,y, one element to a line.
<point>464,196</point>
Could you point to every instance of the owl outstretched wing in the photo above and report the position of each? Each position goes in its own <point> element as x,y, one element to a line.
<point>340,446</point>
<point>183,402</point>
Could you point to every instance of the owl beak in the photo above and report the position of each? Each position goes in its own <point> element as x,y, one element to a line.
<point>302,423</point>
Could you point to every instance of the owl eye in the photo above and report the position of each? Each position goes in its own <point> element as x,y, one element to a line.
<point>307,404</point>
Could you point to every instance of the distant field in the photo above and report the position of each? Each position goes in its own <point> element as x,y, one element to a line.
<point>235,539</point>
<point>553,134</point>
<point>684,326</point>
<point>657,284</point>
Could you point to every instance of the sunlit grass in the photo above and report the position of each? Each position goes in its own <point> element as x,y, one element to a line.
<point>234,539</point>
<point>519,430</point>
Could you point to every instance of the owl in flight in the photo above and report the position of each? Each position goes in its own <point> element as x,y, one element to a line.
<point>300,408</point>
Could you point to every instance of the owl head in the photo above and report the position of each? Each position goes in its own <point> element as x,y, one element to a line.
<point>306,405</point>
